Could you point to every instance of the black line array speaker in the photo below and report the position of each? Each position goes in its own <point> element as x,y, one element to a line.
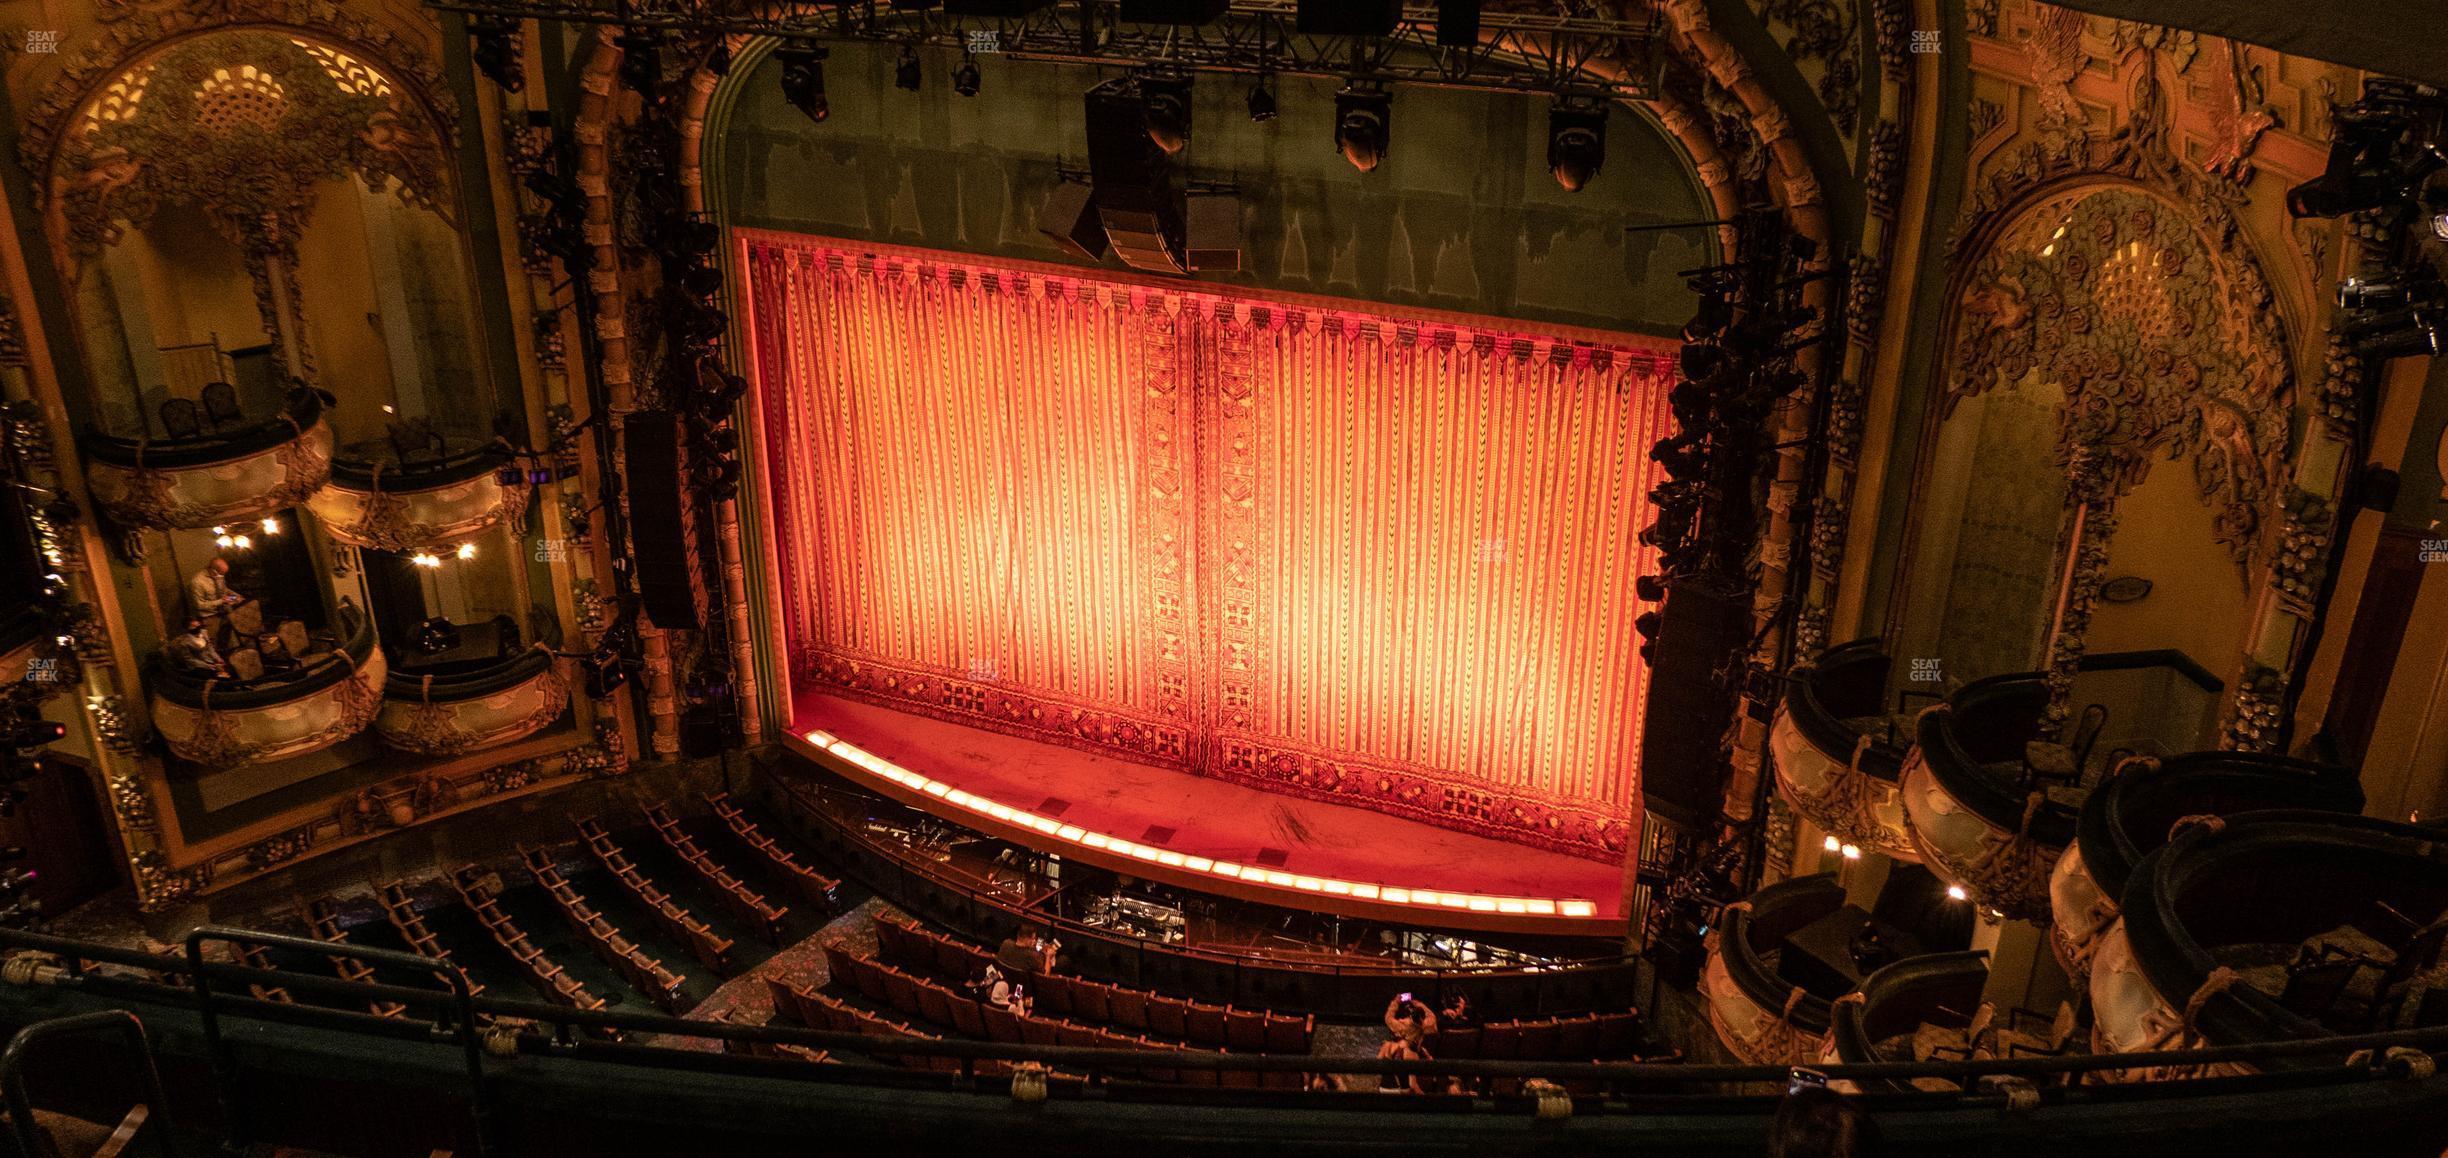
<point>1133,180</point>
<point>1069,220</point>
<point>1457,23</point>
<point>662,522</point>
<point>1214,244</point>
<point>1347,17</point>
<point>1689,709</point>
<point>1173,11</point>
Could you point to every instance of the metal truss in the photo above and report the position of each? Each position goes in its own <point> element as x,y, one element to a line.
<point>1516,52</point>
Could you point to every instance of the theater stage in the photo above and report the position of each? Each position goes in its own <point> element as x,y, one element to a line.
<point>1204,834</point>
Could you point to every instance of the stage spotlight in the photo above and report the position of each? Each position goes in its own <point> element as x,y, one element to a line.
<point>2439,225</point>
<point>965,79</point>
<point>641,63</point>
<point>1364,113</point>
<point>2400,334</point>
<point>2377,293</point>
<point>803,83</point>
<point>905,74</point>
<point>1262,98</point>
<point>2366,169</point>
<point>1164,95</point>
<point>1576,140</point>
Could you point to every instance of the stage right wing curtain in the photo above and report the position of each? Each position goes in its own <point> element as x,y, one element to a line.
<point>1366,557</point>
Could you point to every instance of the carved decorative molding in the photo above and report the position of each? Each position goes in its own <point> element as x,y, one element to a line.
<point>245,124</point>
<point>1825,35</point>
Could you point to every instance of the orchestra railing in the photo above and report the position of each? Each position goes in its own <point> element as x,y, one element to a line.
<point>1357,990</point>
<point>482,1027</point>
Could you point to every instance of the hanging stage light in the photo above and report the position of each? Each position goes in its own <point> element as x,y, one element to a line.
<point>905,74</point>
<point>1576,140</point>
<point>1364,114</point>
<point>1165,97</point>
<point>2369,167</point>
<point>2412,332</point>
<point>965,79</point>
<point>641,63</point>
<point>1262,98</point>
<point>803,83</point>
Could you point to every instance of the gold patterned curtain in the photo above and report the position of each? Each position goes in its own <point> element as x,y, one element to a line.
<point>1375,558</point>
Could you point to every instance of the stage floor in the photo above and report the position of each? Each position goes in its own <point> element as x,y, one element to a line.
<point>1213,820</point>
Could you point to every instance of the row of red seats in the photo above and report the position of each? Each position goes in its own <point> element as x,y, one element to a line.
<point>747,906</point>
<point>644,973</point>
<point>778,1050</point>
<point>403,916</point>
<point>1097,1002</point>
<point>323,924</point>
<point>480,890</point>
<point>254,957</point>
<point>985,1021</point>
<point>817,1011</point>
<point>701,940</point>
<point>1593,1036</point>
<point>818,889</point>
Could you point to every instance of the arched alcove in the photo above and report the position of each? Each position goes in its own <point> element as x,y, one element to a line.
<point>2098,327</point>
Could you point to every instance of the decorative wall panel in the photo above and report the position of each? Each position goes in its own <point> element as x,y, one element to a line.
<point>1373,558</point>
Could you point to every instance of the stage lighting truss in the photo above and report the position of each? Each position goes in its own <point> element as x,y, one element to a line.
<point>1516,51</point>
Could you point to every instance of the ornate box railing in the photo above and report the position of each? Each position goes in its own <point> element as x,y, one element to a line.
<point>2280,925</point>
<point>472,707</point>
<point>1834,762</point>
<point>2134,811</point>
<point>1941,989</point>
<point>1761,1017</point>
<point>1968,817</point>
<point>231,477</point>
<point>332,696</point>
<point>406,506</point>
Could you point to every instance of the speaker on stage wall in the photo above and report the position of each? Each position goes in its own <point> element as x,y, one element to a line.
<point>662,522</point>
<point>1689,710</point>
<point>1133,180</point>
<point>1069,220</point>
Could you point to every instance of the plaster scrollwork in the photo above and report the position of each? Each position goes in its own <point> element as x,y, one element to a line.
<point>244,124</point>
<point>1827,34</point>
<point>2159,338</point>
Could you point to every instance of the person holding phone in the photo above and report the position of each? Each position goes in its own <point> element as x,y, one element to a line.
<point>1409,1020</point>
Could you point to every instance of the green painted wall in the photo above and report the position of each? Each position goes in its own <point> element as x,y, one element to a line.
<point>1462,216</point>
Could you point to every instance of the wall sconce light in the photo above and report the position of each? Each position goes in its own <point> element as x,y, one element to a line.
<point>467,550</point>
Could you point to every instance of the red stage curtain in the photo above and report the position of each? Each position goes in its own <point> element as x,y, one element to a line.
<point>1369,557</point>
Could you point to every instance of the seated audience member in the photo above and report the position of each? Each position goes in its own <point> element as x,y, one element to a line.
<point>1400,1050</point>
<point>1024,953</point>
<point>1409,1020</point>
<point>192,652</point>
<point>992,988</point>
<point>1816,1122</point>
<point>1457,1013</point>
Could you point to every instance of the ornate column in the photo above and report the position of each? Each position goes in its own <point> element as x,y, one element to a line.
<point>2090,525</point>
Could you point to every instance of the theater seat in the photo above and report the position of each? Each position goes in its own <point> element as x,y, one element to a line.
<point>1538,1040</point>
<point>785,1002</point>
<point>1168,1017</point>
<point>1089,1000</point>
<point>1127,1008</point>
<point>934,1004</point>
<point>1001,1024</point>
<point>1288,1034</point>
<point>1053,993</point>
<point>1244,1030</point>
<point>900,991</point>
<point>1500,1041</point>
<point>967,1018</point>
<point>1457,1044</point>
<point>1576,1038</point>
<point>1039,1031</point>
<point>1618,1033</point>
<point>1205,1024</point>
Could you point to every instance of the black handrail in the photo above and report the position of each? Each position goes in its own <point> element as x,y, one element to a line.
<point>21,1107</point>
<point>410,686</point>
<point>422,473</point>
<point>299,413</point>
<point>233,1102</point>
<point>1672,1076</point>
